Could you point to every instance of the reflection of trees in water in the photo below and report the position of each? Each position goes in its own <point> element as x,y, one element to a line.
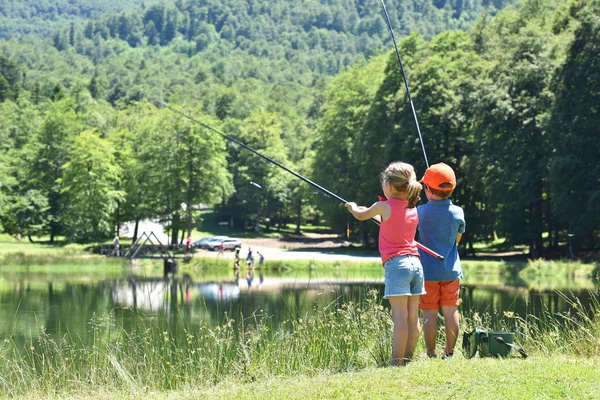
<point>521,301</point>
<point>61,308</point>
<point>178,304</point>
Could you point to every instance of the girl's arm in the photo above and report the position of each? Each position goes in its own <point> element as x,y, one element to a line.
<point>361,213</point>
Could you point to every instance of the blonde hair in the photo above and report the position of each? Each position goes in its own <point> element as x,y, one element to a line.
<point>403,178</point>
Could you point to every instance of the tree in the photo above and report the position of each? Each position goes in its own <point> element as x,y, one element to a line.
<point>42,160</point>
<point>574,169</point>
<point>341,129</point>
<point>182,163</point>
<point>89,181</point>
<point>251,204</point>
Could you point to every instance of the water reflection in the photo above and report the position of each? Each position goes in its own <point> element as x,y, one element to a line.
<point>64,305</point>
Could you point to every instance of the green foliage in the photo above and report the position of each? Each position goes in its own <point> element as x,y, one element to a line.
<point>574,125</point>
<point>492,104</point>
<point>89,180</point>
<point>503,104</point>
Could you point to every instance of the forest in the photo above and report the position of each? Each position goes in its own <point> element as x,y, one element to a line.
<point>506,94</point>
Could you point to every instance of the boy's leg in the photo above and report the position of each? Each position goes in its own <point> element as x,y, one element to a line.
<point>430,303</point>
<point>452,325</point>
<point>449,301</point>
<point>399,306</point>
<point>430,330</point>
<point>414,329</point>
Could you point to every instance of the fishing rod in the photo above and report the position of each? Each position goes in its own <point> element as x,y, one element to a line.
<point>297,175</point>
<point>412,106</point>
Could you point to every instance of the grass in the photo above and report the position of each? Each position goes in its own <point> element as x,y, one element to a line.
<point>9,245</point>
<point>458,379</point>
<point>335,352</point>
<point>13,253</point>
<point>538,377</point>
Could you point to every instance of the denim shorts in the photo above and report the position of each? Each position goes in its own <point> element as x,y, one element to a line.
<point>403,276</point>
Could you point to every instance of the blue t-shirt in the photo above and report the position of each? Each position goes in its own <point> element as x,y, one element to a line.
<point>439,222</point>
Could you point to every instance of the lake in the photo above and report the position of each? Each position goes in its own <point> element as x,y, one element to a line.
<point>65,303</point>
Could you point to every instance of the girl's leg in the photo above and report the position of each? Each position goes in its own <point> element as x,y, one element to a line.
<point>399,306</point>
<point>414,328</point>
<point>430,330</point>
<point>451,319</point>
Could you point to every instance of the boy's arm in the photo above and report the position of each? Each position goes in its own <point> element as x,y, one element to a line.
<point>458,237</point>
<point>362,213</point>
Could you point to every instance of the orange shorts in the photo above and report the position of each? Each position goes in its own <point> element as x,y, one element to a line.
<point>440,294</point>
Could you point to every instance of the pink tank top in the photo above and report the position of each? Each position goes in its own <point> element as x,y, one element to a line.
<point>397,234</point>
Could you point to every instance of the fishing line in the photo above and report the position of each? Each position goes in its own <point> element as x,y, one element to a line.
<point>412,106</point>
<point>297,175</point>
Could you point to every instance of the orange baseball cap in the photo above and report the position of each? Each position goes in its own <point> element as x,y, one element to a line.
<point>440,177</point>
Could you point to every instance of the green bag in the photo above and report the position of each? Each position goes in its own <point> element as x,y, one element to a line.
<point>489,344</point>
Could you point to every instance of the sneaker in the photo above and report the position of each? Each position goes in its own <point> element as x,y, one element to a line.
<point>434,356</point>
<point>447,356</point>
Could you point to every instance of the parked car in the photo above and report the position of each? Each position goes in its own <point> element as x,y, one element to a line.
<point>229,244</point>
<point>232,244</point>
<point>203,243</point>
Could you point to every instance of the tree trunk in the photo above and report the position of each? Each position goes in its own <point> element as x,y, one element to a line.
<point>174,228</point>
<point>591,240</point>
<point>189,220</point>
<point>570,244</point>
<point>190,193</point>
<point>30,239</point>
<point>299,218</point>
<point>257,224</point>
<point>364,238</point>
<point>135,231</point>
<point>118,218</point>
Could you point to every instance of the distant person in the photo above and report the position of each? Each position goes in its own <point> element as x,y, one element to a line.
<point>399,254</point>
<point>188,245</point>
<point>250,257</point>
<point>441,225</point>
<point>261,259</point>
<point>237,252</point>
<point>116,247</point>
<point>236,264</point>
<point>221,249</point>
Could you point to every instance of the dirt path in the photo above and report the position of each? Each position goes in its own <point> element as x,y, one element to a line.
<point>308,248</point>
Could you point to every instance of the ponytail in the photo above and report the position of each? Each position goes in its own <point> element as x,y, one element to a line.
<point>413,189</point>
<point>403,178</point>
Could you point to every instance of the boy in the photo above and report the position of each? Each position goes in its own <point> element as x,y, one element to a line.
<point>441,225</point>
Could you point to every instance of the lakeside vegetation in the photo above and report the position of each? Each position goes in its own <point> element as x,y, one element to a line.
<point>152,356</point>
<point>60,258</point>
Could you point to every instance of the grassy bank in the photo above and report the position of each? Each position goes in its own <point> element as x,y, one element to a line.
<point>535,271</point>
<point>539,377</point>
<point>534,378</point>
<point>13,253</point>
<point>43,256</point>
<point>338,343</point>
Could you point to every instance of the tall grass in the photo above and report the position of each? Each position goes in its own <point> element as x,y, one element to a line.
<point>575,332</point>
<point>157,354</point>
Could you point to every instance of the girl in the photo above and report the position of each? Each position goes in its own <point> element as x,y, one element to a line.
<point>399,255</point>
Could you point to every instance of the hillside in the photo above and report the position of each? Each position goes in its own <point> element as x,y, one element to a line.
<point>190,43</point>
<point>42,17</point>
